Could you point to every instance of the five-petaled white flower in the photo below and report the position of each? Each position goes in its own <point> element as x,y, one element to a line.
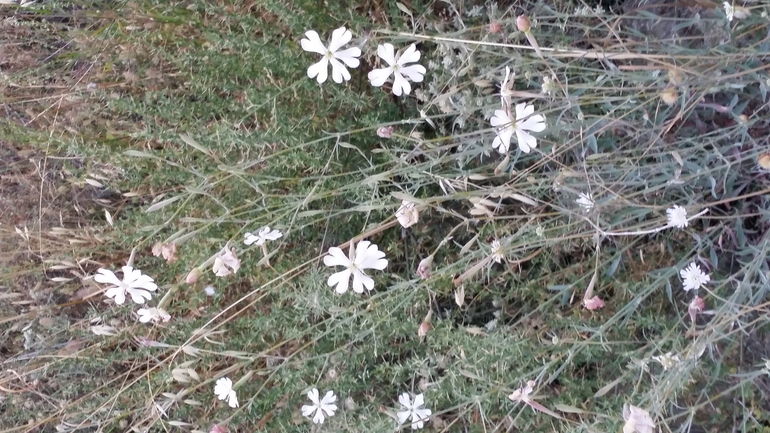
<point>226,263</point>
<point>498,255</point>
<point>331,54</point>
<point>264,235</point>
<point>322,408</point>
<point>413,411</point>
<point>361,257</point>
<point>153,315</point>
<point>134,283</point>
<point>585,201</point>
<point>525,121</point>
<point>224,391</point>
<point>397,65</point>
<point>407,215</point>
<point>637,420</point>
<point>677,217</point>
<point>693,277</point>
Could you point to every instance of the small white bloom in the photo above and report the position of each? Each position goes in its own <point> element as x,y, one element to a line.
<point>264,235</point>
<point>413,411</point>
<point>134,283</point>
<point>361,257</point>
<point>224,391</point>
<point>667,360</point>
<point>525,121</point>
<point>153,314</point>
<point>522,394</point>
<point>637,420</point>
<point>729,11</point>
<point>210,291</point>
<point>226,263</point>
<point>677,217</point>
<point>585,201</point>
<point>322,408</point>
<point>331,54</point>
<point>498,255</point>
<point>407,214</point>
<point>397,66</point>
<point>693,277</point>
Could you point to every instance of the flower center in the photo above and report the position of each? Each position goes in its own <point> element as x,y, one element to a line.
<point>328,54</point>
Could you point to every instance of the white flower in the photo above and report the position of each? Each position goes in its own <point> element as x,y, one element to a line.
<point>226,263</point>
<point>677,217</point>
<point>525,121</point>
<point>419,416</point>
<point>224,391</point>
<point>498,255</point>
<point>331,54</point>
<point>323,409</point>
<point>667,360</point>
<point>407,214</point>
<point>210,291</point>
<point>585,201</point>
<point>522,394</point>
<point>364,256</point>
<point>637,420</point>
<point>264,235</point>
<point>397,65</point>
<point>153,314</point>
<point>134,283</point>
<point>729,11</point>
<point>693,277</point>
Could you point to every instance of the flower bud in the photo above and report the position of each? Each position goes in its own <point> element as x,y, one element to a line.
<point>193,276</point>
<point>495,27</point>
<point>696,306</point>
<point>385,131</point>
<point>424,267</point>
<point>594,303</point>
<point>424,328</point>
<point>669,96</point>
<point>522,22</point>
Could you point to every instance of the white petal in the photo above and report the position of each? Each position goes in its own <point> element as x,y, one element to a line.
<point>378,77</point>
<point>414,72</point>
<point>410,55</point>
<point>500,119</point>
<point>339,72</point>
<point>340,280</point>
<point>349,56</point>
<point>250,239</point>
<point>526,142</point>
<point>313,43</point>
<point>329,398</point>
<point>419,400</point>
<point>144,315</point>
<point>387,53</point>
<point>405,401</point>
<point>319,69</point>
<point>318,418</point>
<point>361,280</point>
<point>139,295</point>
<point>423,413</point>
<point>313,395</point>
<point>340,37</point>
<point>523,110</point>
<point>117,293</point>
<point>534,123</point>
<point>232,399</point>
<point>105,276</point>
<point>145,282</point>
<point>503,140</point>
<point>336,258</point>
<point>307,410</point>
<point>400,85</point>
<point>273,235</point>
<point>403,416</point>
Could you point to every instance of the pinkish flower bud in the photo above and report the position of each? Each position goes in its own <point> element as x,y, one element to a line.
<point>424,328</point>
<point>385,131</point>
<point>193,276</point>
<point>594,303</point>
<point>424,267</point>
<point>495,27</point>
<point>696,306</point>
<point>522,22</point>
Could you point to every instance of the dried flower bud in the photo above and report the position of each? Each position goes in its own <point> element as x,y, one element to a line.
<point>424,267</point>
<point>669,96</point>
<point>743,118</point>
<point>424,328</point>
<point>385,131</point>
<point>696,306</point>
<point>764,161</point>
<point>495,27</point>
<point>594,303</point>
<point>193,276</point>
<point>522,22</point>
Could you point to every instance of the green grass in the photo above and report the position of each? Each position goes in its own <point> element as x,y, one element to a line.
<point>207,104</point>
